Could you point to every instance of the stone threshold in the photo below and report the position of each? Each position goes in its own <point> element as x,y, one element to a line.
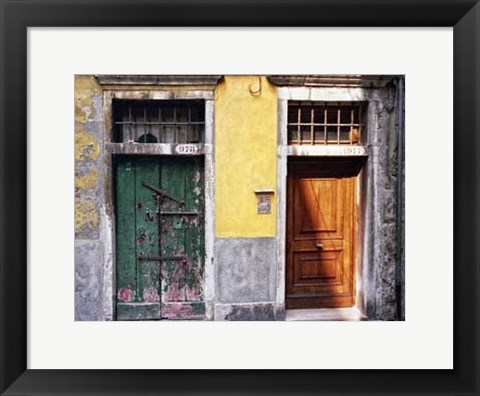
<point>323,314</point>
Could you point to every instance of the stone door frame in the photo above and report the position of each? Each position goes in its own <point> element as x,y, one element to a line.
<point>367,197</point>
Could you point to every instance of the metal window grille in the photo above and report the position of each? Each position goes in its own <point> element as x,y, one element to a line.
<point>155,121</point>
<point>325,122</point>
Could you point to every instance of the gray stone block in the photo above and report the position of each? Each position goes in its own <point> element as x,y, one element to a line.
<point>245,269</point>
<point>88,280</point>
<point>245,312</point>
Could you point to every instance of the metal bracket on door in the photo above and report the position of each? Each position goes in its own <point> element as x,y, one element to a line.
<point>162,193</point>
<point>162,258</point>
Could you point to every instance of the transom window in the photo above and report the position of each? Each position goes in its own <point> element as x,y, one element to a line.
<point>158,121</point>
<point>325,122</point>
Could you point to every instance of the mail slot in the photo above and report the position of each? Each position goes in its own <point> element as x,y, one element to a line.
<point>264,200</point>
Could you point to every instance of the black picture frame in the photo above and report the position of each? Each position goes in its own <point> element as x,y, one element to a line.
<point>18,15</point>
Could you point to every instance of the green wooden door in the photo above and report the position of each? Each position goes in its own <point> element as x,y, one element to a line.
<point>159,237</point>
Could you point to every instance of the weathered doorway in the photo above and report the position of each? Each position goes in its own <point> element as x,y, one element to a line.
<point>320,259</point>
<point>160,249</point>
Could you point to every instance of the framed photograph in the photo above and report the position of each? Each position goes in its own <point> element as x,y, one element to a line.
<point>239,198</point>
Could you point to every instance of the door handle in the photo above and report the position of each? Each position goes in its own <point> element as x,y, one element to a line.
<point>319,245</point>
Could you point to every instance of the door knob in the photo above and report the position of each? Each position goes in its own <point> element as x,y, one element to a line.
<point>319,245</point>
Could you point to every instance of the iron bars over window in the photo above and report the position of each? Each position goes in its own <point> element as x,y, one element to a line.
<point>158,121</point>
<point>325,122</point>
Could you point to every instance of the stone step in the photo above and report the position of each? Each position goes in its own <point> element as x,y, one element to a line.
<point>331,314</point>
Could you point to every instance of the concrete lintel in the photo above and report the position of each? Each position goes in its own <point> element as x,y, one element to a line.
<point>156,148</point>
<point>153,93</point>
<point>168,80</point>
<point>342,150</point>
<point>329,94</point>
<point>332,80</point>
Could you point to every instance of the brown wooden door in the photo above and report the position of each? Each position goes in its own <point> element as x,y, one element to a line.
<point>320,235</point>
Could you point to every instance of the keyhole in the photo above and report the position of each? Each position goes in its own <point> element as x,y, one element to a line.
<point>148,216</point>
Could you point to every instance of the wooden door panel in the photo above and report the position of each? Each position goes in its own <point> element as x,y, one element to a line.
<point>136,241</point>
<point>182,231</point>
<point>146,224</point>
<point>125,236</point>
<point>313,220</point>
<point>320,218</point>
<point>160,237</point>
<point>317,269</point>
<point>172,236</point>
<point>194,239</point>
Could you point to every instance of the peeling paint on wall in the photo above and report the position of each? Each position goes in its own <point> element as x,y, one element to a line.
<point>86,182</point>
<point>86,219</point>
<point>87,156</point>
<point>87,147</point>
<point>89,245</point>
<point>86,88</point>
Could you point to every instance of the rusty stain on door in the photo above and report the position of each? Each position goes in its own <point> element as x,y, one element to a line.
<point>159,237</point>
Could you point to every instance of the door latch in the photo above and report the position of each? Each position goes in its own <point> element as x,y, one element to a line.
<point>319,245</point>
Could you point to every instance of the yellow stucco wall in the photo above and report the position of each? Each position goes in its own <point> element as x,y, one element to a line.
<point>245,156</point>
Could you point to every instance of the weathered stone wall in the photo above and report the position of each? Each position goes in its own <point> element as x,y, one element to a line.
<point>89,249</point>
<point>400,112</point>
<point>245,278</point>
<point>245,270</point>
<point>382,274</point>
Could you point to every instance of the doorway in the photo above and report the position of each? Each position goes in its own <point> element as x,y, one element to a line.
<point>160,233</point>
<point>320,233</point>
